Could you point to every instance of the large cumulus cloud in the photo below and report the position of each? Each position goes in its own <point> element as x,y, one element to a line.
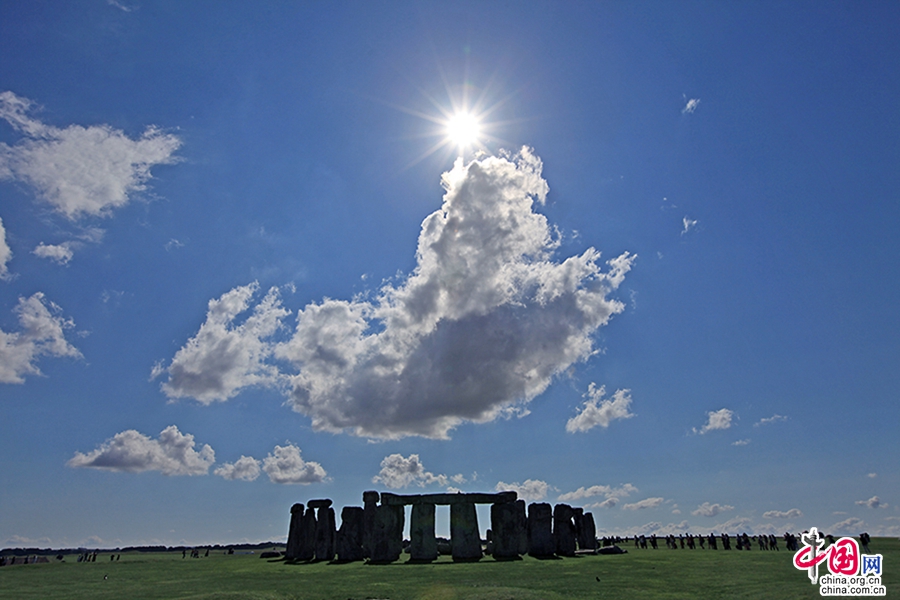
<point>485,321</point>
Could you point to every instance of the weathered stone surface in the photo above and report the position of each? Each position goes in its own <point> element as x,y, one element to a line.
<point>444,499</point>
<point>540,529</point>
<point>294,532</point>
<point>350,535</point>
<point>589,533</point>
<point>465,539</point>
<point>306,549</point>
<point>325,533</point>
<point>422,543</point>
<point>324,503</point>
<point>507,526</point>
<point>387,533</point>
<point>564,530</point>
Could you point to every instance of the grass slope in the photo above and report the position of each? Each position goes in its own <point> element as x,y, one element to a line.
<point>645,574</point>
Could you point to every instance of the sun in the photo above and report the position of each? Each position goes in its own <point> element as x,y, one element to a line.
<point>463,129</point>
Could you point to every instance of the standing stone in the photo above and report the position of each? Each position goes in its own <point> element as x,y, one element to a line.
<point>465,539</point>
<point>578,518</point>
<point>387,533</point>
<point>306,550</point>
<point>350,535</point>
<point>370,504</point>
<point>540,529</point>
<point>506,528</point>
<point>590,532</point>
<point>422,543</point>
<point>325,533</point>
<point>564,530</point>
<point>294,532</point>
<point>522,527</point>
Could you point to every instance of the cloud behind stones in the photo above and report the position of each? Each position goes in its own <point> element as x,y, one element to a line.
<point>611,495</point>
<point>531,490</point>
<point>80,170</point>
<point>42,333</point>
<point>484,322</point>
<point>172,453</point>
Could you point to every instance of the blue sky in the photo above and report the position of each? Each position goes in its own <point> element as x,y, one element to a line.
<point>242,266</point>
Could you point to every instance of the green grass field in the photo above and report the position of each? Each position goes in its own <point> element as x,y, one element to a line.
<point>639,574</point>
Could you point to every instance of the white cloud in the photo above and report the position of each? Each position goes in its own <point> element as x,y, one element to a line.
<point>851,526</point>
<point>736,524</point>
<point>710,510</point>
<point>744,442</point>
<point>873,502</point>
<point>793,513</point>
<point>872,475</point>
<point>485,321</point>
<point>718,419</point>
<point>285,465</point>
<point>246,468</point>
<point>691,106</point>
<point>610,492</point>
<point>223,357</point>
<point>531,489</point>
<point>597,411</point>
<point>642,504</point>
<point>688,224</point>
<point>398,472</point>
<point>776,418</point>
<point>80,170</point>
<point>5,253</point>
<point>661,530</point>
<point>172,454</point>
<point>61,253</point>
<point>42,334</point>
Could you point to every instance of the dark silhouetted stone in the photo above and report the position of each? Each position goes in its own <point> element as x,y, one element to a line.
<point>507,525</point>
<point>465,539</point>
<point>422,543</point>
<point>350,535</point>
<point>325,533</point>
<point>387,533</point>
<point>564,530</point>
<point>540,529</point>
<point>325,503</point>
<point>294,532</point>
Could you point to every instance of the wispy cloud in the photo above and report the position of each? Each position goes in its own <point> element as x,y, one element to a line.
<point>597,411</point>
<point>607,491</point>
<point>5,253</point>
<point>687,224</point>
<point>645,503</point>
<point>80,170</point>
<point>172,453</point>
<point>776,418</point>
<point>486,320</point>
<point>744,442</point>
<point>710,510</point>
<point>42,333</point>
<point>717,419</point>
<point>691,106</point>
<point>794,513</point>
